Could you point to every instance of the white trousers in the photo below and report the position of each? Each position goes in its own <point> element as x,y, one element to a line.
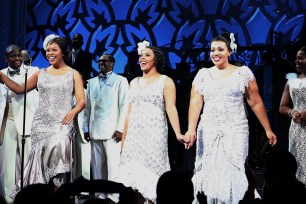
<point>83,152</point>
<point>105,158</point>
<point>10,156</point>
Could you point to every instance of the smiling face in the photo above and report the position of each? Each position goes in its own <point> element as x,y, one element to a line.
<point>14,59</point>
<point>54,53</point>
<point>219,53</point>
<point>147,60</point>
<point>105,64</point>
<point>300,61</point>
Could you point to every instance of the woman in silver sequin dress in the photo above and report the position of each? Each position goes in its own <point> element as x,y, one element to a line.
<point>222,144</point>
<point>293,104</point>
<point>50,160</point>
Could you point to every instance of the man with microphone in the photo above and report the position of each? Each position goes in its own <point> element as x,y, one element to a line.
<point>12,119</point>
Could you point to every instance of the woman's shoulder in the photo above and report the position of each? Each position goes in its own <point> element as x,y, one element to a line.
<point>244,67</point>
<point>203,70</point>
<point>136,79</point>
<point>245,70</point>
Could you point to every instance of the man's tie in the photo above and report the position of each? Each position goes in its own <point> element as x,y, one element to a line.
<point>73,56</point>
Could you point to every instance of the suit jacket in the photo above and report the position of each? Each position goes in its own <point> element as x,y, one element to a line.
<point>18,103</point>
<point>82,63</point>
<point>105,109</point>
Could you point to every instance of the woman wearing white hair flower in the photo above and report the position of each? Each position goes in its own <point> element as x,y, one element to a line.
<point>144,156</point>
<point>223,133</point>
<point>52,130</point>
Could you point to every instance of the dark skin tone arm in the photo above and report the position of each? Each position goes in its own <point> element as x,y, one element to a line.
<point>285,104</point>
<point>19,88</point>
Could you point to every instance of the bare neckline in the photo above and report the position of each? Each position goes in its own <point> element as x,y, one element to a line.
<point>225,78</point>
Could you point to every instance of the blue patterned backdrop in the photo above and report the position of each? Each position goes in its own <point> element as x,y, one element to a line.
<point>178,26</point>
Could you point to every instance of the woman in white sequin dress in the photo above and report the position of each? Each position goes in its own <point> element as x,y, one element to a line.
<point>144,156</point>
<point>222,133</point>
<point>293,104</point>
<point>52,133</point>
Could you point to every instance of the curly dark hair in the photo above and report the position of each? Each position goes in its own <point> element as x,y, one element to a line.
<point>224,37</point>
<point>159,57</point>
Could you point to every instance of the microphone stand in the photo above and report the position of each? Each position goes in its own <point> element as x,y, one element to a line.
<point>24,119</point>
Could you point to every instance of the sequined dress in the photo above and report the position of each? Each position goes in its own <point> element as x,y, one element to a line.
<point>51,151</point>
<point>222,143</point>
<point>145,154</point>
<point>297,132</point>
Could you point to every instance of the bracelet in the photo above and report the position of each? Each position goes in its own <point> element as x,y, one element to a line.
<point>291,112</point>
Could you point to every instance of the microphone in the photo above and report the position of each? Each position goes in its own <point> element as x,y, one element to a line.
<point>25,55</point>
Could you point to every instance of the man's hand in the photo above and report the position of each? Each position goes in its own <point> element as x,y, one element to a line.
<point>117,136</point>
<point>87,137</point>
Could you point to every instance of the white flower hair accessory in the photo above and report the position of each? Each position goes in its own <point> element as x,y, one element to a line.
<point>142,45</point>
<point>291,76</point>
<point>233,45</point>
<point>48,39</point>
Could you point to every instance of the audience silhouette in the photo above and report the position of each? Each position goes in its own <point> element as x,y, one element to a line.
<point>35,194</point>
<point>280,184</point>
<point>2,200</point>
<point>174,187</point>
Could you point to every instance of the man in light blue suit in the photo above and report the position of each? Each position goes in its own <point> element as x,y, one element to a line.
<point>104,117</point>
<point>11,121</point>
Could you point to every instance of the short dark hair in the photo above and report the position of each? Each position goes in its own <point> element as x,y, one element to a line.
<point>10,48</point>
<point>171,184</point>
<point>111,58</point>
<point>79,36</point>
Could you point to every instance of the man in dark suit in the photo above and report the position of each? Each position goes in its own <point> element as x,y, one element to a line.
<point>80,59</point>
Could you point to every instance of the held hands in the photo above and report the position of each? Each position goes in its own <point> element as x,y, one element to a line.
<point>296,116</point>
<point>272,137</point>
<point>184,140</point>
<point>192,136</point>
<point>299,117</point>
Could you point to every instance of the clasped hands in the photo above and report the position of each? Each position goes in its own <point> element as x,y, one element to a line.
<point>187,139</point>
<point>299,118</point>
